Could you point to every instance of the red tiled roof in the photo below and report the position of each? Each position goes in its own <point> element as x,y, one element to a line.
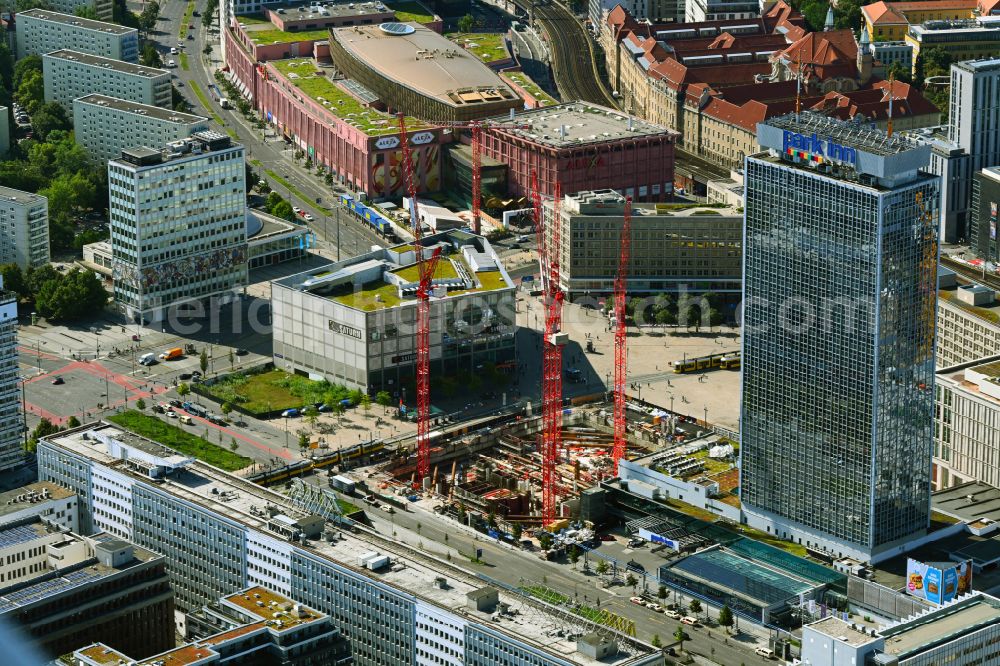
<point>824,48</point>
<point>887,13</point>
<point>987,7</point>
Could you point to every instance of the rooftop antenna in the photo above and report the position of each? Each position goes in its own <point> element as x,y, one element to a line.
<point>892,78</point>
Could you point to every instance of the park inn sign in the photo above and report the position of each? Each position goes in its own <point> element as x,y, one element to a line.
<point>816,149</point>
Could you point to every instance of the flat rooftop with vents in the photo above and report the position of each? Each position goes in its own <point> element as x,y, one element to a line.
<point>70,19</point>
<point>156,112</point>
<point>580,123</point>
<point>107,63</point>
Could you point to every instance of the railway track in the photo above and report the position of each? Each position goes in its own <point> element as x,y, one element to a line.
<point>573,63</point>
<point>970,273</point>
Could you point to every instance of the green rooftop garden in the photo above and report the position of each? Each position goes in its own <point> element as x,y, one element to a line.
<point>532,88</point>
<point>410,11</point>
<point>982,313</point>
<point>253,20</point>
<point>487,46</point>
<point>444,269</point>
<point>365,299</point>
<point>315,84</point>
<point>275,36</point>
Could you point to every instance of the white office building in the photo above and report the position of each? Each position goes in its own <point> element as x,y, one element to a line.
<point>41,31</point>
<point>698,11</point>
<point>107,125</point>
<point>967,424</point>
<point>352,322</point>
<point>72,74</point>
<point>178,224</point>
<point>103,9</point>
<point>11,420</point>
<point>44,499</point>
<point>24,228</point>
<point>893,53</point>
<point>397,606</point>
<point>967,324</point>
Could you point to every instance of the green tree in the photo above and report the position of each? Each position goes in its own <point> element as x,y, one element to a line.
<point>31,92</point>
<point>150,14</point>
<point>665,317</point>
<point>140,404</point>
<point>311,415</point>
<point>366,403</point>
<point>77,294</point>
<point>726,617</point>
<point>36,277</point>
<point>206,16</point>
<point>574,554</point>
<point>383,398</point>
<point>899,73</point>
<point>226,408</point>
<point>303,442</point>
<point>25,5</point>
<point>23,67</point>
<point>273,199</point>
<point>150,57</point>
<point>631,580</point>
<point>203,361</point>
<point>516,531</point>
<point>602,567</point>
<point>466,22</point>
<point>73,422</point>
<point>848,15</point>
<point>662,592</point>
<point>680,636</point>
<point>51,116</point>
<point>86,11</point>
<point>233,445</point>
<point>491,519</point>
<point>694,606</point>
<point>43,429</point>
<point>934,61</point>
<point>14,280</point>
<point>6,66</point>
<point>544,539</point>
<point>655,642</point>
<point>183,389</point>
<point>284,210</point>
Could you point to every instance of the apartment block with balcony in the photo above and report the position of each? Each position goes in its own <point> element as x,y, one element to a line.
<point>71,74</point>
<point>41,31</point>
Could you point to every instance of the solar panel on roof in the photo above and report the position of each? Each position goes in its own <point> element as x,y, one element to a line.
<point>397,29</point>
<point>16,535</point>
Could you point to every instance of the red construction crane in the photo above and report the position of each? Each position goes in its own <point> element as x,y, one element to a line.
<point>548,254</point>
<point>425,271</point>
<point>621,340</point>
<point>476,126</point>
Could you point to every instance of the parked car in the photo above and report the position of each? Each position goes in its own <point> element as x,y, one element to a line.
<point>242,352</point>
<point>58,380</point>
<point>309,218</point>
<point>171,414</point>
<point>173,50</point>
<point>174,402</point>
<point>767,653</point>
<point>656,608</point>
<point>184,376</point>
<point>637,601</point>
<point>296,210</point>
<point>186,420</point>
<point>636,543</point>
<point>158,409</point>
<point>197,374</point>
<point>289,413</point>
<point>690,621</point>
<point>324,408</point>
<point>671,613</point>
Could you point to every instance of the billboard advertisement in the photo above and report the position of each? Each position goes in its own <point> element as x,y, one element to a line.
<point>938,584</point>
<point>653,537</point>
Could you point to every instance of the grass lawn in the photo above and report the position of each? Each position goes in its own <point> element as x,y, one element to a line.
<point>487,46</point>
<point>268,37</point>
<point>347,507</point>
<point>491,280</point>
<point>188,15</point>
<point>180,440</point>
<point>276,390</point>
<point>253,20</point>
<point>532,88</point>
<point>410,11</point>
<point>771,540</point>
<point>205,103</point>
<point>314,84</point>
<point>546,594</point>
<point>183,57</point>
<point>444,269</point>
<point>365,299</point>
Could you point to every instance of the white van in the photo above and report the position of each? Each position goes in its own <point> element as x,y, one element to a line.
<point>186,420</point>
<point>147,359</point>
<point>767,653</point>
<point>171,63</point>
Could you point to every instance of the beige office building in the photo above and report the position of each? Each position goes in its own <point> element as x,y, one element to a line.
<point>967,424</point>
<point>697,249</point>
<point>107,125</point>
<point>71,74</point>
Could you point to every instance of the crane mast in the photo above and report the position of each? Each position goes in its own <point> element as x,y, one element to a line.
<point>621,340</point>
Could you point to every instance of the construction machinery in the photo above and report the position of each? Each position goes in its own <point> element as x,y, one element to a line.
<point>549,250</point>
<point>425,271</point>
<point>476,129</point>
<point>621,340</point>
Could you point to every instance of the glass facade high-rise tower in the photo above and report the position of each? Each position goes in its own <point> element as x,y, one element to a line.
<point>840,265</point>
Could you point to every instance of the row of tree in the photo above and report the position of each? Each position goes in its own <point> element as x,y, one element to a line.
<point>690,311</point>
<point>57,296</point>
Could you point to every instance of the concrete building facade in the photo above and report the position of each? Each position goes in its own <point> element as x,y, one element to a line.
<point>696,11</point>
<point>967,327</point>
<point>53,503</point>
<point>103,9</point>
<point>967,424</point>
<point>72,74</point>
<point>195,247</point>
<point>11,418</point>
<point>983,216</point>
<point>40,31</point>
<point>352,322</point>
<point>967,39</point>
<point>106,125</point>
<point>851,478</point>
<point>24,228</point>
<point>391,614</point>
<point>64,591</point>
<point>696,250</point>
<point>582,146</point>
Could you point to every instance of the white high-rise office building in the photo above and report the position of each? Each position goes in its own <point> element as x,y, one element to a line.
<point>24,228</point>
<point>41,31</point>
<point>71,74</point>
<point>178,224</point>
<point>11,422</point>
<point>107,125</point>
